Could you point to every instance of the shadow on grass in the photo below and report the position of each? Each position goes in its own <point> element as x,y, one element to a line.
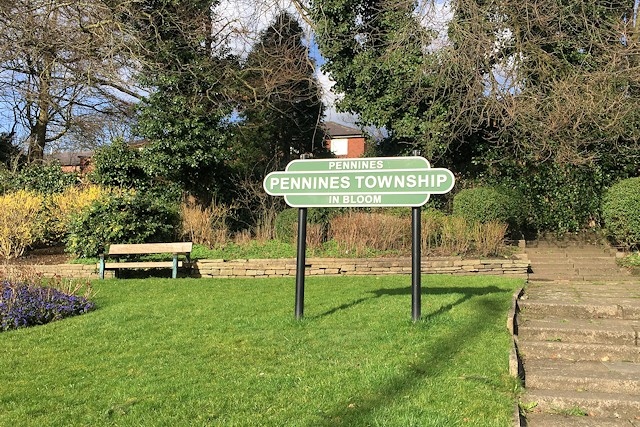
<point>468,292</point>
<point>437,356</point>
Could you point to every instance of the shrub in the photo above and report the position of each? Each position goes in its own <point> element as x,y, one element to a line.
<point>23,305</point>
<point>559,198</point>
<point>621,212</point>
<point>286,222</point>
<point>119,165</point>
<point>45,178</point>
<point>122,217</point>
<point>7,180</point>
<point>205,225</point>
<point>20,224</point>
<point>63,206</point>
<point>485,204</point>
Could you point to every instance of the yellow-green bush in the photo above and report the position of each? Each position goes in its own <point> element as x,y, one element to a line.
<point>20,223</point>
<point>62,207</point>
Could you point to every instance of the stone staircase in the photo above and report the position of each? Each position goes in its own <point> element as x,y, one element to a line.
<point>578,340</point>
<point>568,261</point>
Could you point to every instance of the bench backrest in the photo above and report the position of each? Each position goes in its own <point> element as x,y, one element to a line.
<point>151,248</point>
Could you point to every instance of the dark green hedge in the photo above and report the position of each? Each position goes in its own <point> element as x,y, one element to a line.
<point>621,212</point>
<point>122,218</point>
<point>484,204</point>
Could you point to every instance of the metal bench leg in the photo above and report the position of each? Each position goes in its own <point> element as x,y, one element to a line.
<point>101,270</point>
<point>174,271</point>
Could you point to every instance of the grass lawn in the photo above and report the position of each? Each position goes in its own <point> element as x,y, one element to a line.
<point>196,352</point>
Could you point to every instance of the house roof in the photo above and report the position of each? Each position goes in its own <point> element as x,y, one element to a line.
<point>336,130</point>
<point>70,158</point>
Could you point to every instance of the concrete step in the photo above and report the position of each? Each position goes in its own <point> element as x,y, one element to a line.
<point>592,249</point>
<point>627,291</point>
<point>533,308</point>
<point>577,352</point>
<point>570,261</point>
<point>569,264</point>
<point>558,420</point>
<point>596,270</point>
<point>592,331</point>
<point>592,404</point>
<point>579,251</point>
<point>604,377</point>
<point>584,308</point>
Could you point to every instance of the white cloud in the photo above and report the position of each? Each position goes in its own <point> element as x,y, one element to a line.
<point>435,15</point>
<point>240,22</point>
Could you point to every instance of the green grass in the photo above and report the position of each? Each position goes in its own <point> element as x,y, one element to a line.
<point>227,352</point>
<point>270,249</point>
<point>632,260</point>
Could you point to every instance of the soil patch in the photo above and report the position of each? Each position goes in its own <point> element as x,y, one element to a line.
<point>41,256</point>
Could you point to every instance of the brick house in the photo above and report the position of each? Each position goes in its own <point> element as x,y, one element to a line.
<point>344,141</point>
<point>72,161</point>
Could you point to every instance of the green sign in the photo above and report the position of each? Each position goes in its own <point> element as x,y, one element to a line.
<point>368,182</point>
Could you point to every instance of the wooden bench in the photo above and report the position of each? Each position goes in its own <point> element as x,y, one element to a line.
<point>117,250</point>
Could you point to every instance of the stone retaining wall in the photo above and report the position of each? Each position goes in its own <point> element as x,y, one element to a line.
<point>358,266</point>
<point>316,267</point>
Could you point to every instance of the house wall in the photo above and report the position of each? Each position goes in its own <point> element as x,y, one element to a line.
<point>347,147</point>
<point>356,147</point>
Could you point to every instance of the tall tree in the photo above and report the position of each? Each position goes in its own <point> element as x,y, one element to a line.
<point>378,54</point>
<point>578,84</point>
<point>62,69</point>
<point>508,89</point>
<point>557,80</point>
<point>186,114</point>
<point>281,108</point>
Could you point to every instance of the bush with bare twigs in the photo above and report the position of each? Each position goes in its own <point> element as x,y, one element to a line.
<point>205,225</point>
<point>361,232</point>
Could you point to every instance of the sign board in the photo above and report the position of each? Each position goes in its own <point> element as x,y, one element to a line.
<point>363,182</point>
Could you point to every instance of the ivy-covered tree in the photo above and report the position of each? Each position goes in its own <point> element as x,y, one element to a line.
<point>185,116</point>
<point>377,53</point>
<point>281,106</point>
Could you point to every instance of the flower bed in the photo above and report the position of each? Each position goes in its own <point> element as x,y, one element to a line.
<point>23,305</point>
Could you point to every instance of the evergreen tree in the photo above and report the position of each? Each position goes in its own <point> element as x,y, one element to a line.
<point>282,107</point>
<point>185,117</point>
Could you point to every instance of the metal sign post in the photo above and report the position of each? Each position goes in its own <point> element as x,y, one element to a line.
<point>416,264</point>
<point>300,264</point>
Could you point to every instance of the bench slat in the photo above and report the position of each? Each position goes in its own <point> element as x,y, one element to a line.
<point>151,248</point>
<point>155,264</point>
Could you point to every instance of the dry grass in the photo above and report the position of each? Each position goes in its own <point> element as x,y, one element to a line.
<point>265,229</point>
<point>28,275</point>
<point>242,237</point>
<point>361,232</point>
<point>205,225</point>
<point>456,239</point>
<point>431,225</point>
<point>488,238</point>
<point>315,235</point>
